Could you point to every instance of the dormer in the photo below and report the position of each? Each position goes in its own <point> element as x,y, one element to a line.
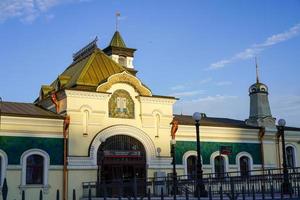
<point>118,51</point>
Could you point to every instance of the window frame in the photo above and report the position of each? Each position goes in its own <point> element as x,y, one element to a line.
<point>212,161</point>
<point>237,161</point>
<point>295,153</point>
<point>185,157</point>
<point>4,164</point>
<point>46,164</point>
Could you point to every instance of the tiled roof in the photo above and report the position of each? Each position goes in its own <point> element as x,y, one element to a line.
<point>213,121</point>
<point>26,110</point>
<point>221,122</point>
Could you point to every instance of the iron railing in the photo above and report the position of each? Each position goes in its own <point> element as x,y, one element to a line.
<point>257,182</point>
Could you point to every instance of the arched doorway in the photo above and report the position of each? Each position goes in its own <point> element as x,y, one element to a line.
<point>122,163</point>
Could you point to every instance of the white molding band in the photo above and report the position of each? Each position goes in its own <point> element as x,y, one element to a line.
<point>84,94</point>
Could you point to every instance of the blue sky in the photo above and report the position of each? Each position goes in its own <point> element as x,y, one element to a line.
<point>200,51</point>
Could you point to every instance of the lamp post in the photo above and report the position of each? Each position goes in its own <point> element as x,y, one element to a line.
<point>286,187</point>
<point>200,189</point>
<point>100,165</point>
<point>173,153</point>
<point>173,143</point>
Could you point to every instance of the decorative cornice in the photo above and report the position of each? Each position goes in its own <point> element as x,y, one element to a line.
<point>124,77</point>
<point>87,95</point>
<point>156,100</point>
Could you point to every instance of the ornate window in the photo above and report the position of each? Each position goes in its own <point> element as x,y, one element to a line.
<point>191,165</point>
<point>3,164</point>
<point>34,169</point>
<point>35,165</point>
<point>290,156</point>
<point>244,166</point>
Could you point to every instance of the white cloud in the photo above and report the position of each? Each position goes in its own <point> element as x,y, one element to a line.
<point>187,94</point>
<point>223,83</point>
<point>287,107</point>
<point>188,85</point>
<point>257,48</point>
<point>217,97</point>
<point>178,87</point>
<point>27,10</point>
<point>224,106</point>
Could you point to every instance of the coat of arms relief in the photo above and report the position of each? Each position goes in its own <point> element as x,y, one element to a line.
<point>121,105</point>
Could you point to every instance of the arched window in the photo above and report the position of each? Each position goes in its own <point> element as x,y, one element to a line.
<point>290,156</point>
<point>34,169</point>
<point>35,165</point>
<point>157,124</point>
<point>85,122</point>
<point>191,165</point>
<point>3,164</point>
<point>244,166</point>
<point>220,166</point>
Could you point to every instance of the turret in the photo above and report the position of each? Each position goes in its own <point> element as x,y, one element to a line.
<point>260,112</point>
<point>118,51</point>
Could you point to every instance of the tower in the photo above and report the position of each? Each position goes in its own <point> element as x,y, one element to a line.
<point>260,112</point>
<point>118,51</point>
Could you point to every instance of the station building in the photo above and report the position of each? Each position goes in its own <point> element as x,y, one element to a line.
<point>98,120</point>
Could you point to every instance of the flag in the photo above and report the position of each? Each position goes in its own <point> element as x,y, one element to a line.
<point>225,150</point>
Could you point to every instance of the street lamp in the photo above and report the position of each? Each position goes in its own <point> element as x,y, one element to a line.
<point>200,188</point>
<point>286,186</point>
<point>173,143</point>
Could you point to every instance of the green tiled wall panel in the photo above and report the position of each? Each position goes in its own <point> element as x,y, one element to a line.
<point>14,147</point>
<point>207,148</point>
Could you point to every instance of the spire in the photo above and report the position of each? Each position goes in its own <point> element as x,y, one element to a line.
<point>257,77</point>
<point>118,14</point>
<point>117,40</point>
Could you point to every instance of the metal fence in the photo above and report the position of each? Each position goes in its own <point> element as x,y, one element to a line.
<point>257,184</point>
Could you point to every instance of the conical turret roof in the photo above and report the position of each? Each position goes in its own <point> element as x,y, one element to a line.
<point>117,40</point>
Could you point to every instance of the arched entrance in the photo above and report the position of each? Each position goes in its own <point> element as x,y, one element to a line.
<point>122,166</point>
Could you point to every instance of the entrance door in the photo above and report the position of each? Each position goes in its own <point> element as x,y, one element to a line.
<point>123,166</point>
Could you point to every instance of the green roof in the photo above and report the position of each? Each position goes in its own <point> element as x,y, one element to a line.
<point>90,70</point>
<point>117,40</point>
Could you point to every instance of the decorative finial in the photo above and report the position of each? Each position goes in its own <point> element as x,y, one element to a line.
<point>118,14</point>
<point>257,77</point>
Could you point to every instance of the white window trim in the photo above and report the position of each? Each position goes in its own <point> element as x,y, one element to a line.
<point>24,157</point>
<point>237,160</point>
<point>185,157</point>
<point>212,161</point>
<point>295,153</point>
<point>4,163</point>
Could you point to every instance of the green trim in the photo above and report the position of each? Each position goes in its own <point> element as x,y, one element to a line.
<point>207,148</point>
<point>14,147</point>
